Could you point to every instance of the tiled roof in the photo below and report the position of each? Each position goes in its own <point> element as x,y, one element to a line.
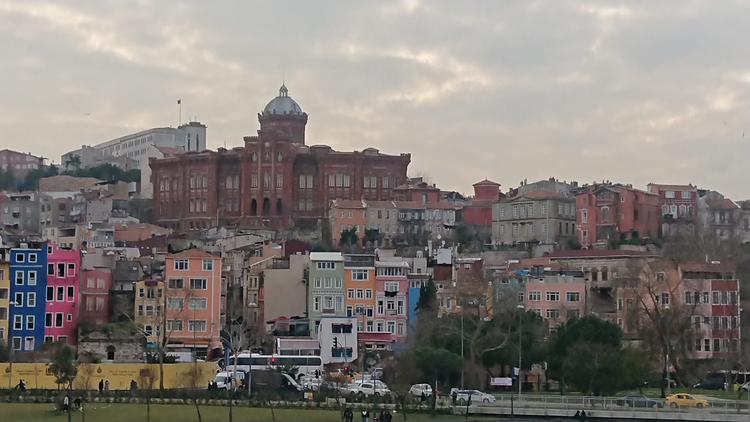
<point>723,204</point>
<point>139,231</point>
<point>486,182</point>
<point>708,267</point>
<point>192,253</point>
<point>535,196</point>
<point>597,253</point>
<point>671,187</point>
<point>66,183</point>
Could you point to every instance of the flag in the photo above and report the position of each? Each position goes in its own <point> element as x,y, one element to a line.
<point>179,101</point>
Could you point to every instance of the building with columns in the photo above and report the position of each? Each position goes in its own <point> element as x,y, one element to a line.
<point>275,180</point>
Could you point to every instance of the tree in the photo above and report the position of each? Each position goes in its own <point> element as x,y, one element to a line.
<point>584,349</point>
<point>64,366</point>
<point>349,238</point>
<point>73,161</point>
<point>427,298</point>
<point>438,364</point>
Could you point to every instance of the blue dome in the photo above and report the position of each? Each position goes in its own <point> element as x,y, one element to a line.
<point>283,104</point>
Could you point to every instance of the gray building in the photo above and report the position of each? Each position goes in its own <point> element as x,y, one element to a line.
<point>284,288</point>
<point>545,218</point>
<point>20,212</point>
<point>325,288</point>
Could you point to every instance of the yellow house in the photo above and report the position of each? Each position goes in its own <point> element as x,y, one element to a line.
<point>149,307</point>
<point>4,293</point>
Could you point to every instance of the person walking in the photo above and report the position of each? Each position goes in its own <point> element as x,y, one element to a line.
<point>101,386</point>
<point>106,385</point>
<point>365,415</point>
<point>66,403</point>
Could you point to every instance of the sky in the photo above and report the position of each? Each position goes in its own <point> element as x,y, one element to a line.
<point>632,92</point>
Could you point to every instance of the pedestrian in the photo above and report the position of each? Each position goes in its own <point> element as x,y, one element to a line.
<point>365,415</point>
<point>66,403</point>
<point>101,386</point>
<point>454,396</point>
<point>133,387</point>
<point>423,397</point>
<point>106,385</point>
<point>77,403</point>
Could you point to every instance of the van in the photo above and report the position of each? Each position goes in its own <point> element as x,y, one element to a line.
<point>223,380</point>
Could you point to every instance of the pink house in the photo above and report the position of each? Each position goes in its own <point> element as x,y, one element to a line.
<point>392,297</point>
<point>557,298</point>
<point>62,299</point>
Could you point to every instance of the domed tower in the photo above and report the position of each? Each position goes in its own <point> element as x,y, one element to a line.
<point>283,118</point>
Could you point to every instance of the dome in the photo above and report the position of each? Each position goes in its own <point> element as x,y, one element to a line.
<point>283,104</point>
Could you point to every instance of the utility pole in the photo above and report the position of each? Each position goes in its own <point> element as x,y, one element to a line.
<point>520,348</point>
<point>462,346</point>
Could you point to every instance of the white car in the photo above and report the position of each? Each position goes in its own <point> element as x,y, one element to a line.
<point>746,386</point>
<point>369,388</point>
<point>223,380</point>
<point>475,396</point>
<point>417,390</point>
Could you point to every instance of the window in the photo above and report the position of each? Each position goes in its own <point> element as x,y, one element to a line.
<point>535,296</point>
<point>553,296</point>
<point>30,322</point>
<point>573,296</point>
<point>28,343</point>
<point>316,303</point>
<point>197,325</point>
<point>717,345</point>
<point>48,320</point>
<point>208,265</point>
<point>18,322</point>
<point>71,270</point>
<point>31,299</point>
<point>716,298</point>
<point>58,319</point>
<point>553,314</point>
<point>669,194</point>
<point>181,264</point>
<point>174,325</point>
<point>686,195</point>
<point>198,303</point>
<point>60,294</point>
<point>32,257</point>
<point>19,278</point>
<point>20,258</point>
<point>50,269</point>
<point>176,283</point>
<point>391,327</point>
<point>360,294</point>
<point>584,216</point>
<point>32,278</point>
<point>665,298</point>
<point>688,298</point>
<point>325,265</point>
<point>60,270</point>
<point>198,284</point>
<point>71,293</point>
<point>359,274</point>
<point>368,294</point>
<point>18,299</point>
<point>350,293</point>
<point>176,303</point>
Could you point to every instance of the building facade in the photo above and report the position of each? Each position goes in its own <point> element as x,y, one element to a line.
<point>679,208</point>
<point>19,163</point>
<point>534,217</point>
<point>28,266</point>
<point>20,212</point>
<point>556,298</point>
<point>392,297</point>
<point>614,212</point>
<point>325,288</point>
<point>193,295</point>
<point>4,293</point>
<point>359,282</point>
<point>274,180</point>
<point>62,295</point>
<point>95,286</point>
<point>479,211</point>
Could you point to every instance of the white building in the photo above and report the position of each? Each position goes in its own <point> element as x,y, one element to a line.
<point>338,339</point>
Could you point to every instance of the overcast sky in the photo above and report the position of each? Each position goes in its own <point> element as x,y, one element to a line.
<point>580,90</point>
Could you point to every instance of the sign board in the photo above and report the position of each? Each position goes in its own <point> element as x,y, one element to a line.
<point>501,382</point>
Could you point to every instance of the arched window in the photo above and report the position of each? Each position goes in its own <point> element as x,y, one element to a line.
<point>266,206</point>
<point>279,208</point>
<point>254,207</point>
<point>111,352</point>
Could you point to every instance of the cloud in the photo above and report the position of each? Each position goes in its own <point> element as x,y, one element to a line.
<point>586,90</point>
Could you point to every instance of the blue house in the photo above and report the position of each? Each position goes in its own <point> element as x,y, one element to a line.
<point>28,286</point>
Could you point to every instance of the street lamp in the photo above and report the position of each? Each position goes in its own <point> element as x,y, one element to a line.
<point>521,308</point>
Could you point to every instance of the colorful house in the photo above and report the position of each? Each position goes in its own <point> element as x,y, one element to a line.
<point>391,295</point>
<point>4,293</point>
<point>325,288</point>
<point>193,302</point>
<point>95,286</point>
<point>28,286</point>
<point>62,297</point>
<point>359,282</point>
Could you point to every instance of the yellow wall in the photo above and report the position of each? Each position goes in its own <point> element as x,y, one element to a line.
<point>176,375</point>
<point>5,284</point>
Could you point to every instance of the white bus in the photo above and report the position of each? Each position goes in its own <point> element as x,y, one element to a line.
<point>307,366</point>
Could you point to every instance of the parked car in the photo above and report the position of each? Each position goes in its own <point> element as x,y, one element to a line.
<point>711,384</point>
<point>638,401</point>
<point>369,388</point>
<point>475,396</point>
<point>685,400</point>
<point>746,386</point>
<point>416,390</point>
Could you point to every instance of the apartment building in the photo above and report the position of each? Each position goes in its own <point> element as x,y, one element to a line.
<point>62,295</point>
<point>4,293</point>
<point>359,282</point>
<point>391,297</point>
<point>28,266</point>
<point>326,288</point>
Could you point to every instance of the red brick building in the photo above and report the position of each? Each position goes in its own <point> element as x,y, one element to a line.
<point>479,212</point>
<point>679,208</point>
<point>613,211</point>
<point>274,181</point>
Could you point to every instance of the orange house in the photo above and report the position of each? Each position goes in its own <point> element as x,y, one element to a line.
<point>193,302</point>
<point>359,284</point>
<point>346,214</point>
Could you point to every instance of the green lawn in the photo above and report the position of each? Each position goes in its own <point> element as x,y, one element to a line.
<point>104,412</point>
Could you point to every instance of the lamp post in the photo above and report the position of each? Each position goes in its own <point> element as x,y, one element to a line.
<point>521,309</point>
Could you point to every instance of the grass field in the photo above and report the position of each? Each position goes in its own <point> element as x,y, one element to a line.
<point>103,412</point>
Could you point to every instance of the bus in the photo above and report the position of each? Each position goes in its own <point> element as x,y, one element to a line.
<point>306,366</point>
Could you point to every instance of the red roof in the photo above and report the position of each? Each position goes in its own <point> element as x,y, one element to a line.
<point>708,267</point>
<point>192,253</point>
<point>723,204</point>
<point>597,253</point>
<point>486,182</point>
